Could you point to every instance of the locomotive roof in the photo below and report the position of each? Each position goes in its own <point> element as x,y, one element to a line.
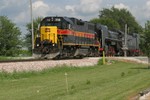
<point>71,20</point>
<point>61,17</point>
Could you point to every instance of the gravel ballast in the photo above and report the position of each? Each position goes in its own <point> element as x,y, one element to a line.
<point>40,65</point>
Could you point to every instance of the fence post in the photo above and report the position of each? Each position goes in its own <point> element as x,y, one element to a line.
<point>66,82</point>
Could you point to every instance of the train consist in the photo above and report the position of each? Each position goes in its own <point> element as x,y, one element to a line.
<point>61,37</point>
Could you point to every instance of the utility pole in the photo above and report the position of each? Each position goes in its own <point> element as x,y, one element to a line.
<point>125,48</point>
<point>32,30</point>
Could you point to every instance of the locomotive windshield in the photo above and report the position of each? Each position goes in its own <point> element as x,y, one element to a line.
<point>55,21</point>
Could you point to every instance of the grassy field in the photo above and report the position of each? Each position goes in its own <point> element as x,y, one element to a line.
<point>118,81</point>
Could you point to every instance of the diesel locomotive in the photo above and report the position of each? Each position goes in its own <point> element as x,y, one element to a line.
<point>66,37</point>
<point>61,37</point>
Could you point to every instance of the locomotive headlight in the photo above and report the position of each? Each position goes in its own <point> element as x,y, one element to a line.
<point>53,45</point>
<point>47,29</point>
<point>37,45</point>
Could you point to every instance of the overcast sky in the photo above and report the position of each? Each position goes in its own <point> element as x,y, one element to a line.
<point>19,10</point>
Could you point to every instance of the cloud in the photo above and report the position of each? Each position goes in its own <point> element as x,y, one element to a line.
<point>21,17</point>
<point>148,4</point>
<point>13,9</point>
<point>19,10</point>
<point>121,6</point>
<point>70,8</point>
<point>89,6</point>
<point>40,8</point>
<point>5,4</point>
<point>85,7</point>
<point>142,13</point>
<point>146,10</point>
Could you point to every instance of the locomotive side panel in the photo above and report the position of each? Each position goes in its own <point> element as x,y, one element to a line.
<point>133,44</point>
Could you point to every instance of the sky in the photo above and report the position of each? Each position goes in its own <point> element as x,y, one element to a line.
<point>19,10</point>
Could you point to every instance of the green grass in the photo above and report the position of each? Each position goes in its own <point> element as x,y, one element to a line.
<point>117,81</point>
<point>8,58</point>
<point>5,58</point>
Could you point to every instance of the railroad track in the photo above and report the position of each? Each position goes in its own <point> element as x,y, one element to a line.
<point>32,60</point>
<point>144,59</point>
<point>22,60</point>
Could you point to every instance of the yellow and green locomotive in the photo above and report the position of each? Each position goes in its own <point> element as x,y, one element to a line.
<point>61,37</point>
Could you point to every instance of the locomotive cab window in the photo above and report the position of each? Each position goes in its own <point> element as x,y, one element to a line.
<point>59,22</point>
<point>80,22</point>
<point>69,26</point>
<point>66,25</point>
<point>50,21</point>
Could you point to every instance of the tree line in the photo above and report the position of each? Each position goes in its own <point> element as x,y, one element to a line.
<point>12,44</point>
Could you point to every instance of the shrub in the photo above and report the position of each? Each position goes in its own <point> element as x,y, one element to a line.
<point>88,82</point>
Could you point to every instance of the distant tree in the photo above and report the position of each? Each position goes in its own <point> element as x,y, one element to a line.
<point>110,23</point>
<point>10,41</point>
<point>145,43</point>
<point>122,17</point>
<point>28,36</point>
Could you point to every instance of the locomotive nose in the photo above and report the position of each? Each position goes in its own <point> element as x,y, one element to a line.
<point>49,33</point>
